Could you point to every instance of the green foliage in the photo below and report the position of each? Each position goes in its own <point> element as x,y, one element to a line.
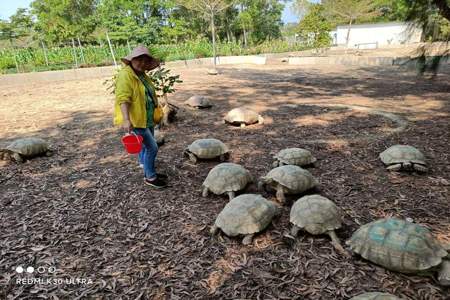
<point>59,20</point>
<point>164,82</point>
<point>314,28</point>
<point>349,11</point>
<point>32,59</point>
<point>262,18</point>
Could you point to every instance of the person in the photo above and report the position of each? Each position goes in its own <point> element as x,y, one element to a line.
<point>134,107</point>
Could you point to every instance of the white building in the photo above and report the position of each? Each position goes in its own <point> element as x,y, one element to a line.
<point>368,36</point>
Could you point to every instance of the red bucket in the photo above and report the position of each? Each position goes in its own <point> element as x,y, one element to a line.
<point>132,143</point>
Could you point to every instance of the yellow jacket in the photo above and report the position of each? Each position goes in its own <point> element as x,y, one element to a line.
<point>129,89</point>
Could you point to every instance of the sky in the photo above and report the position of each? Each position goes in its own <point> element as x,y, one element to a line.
<point>9,7</point>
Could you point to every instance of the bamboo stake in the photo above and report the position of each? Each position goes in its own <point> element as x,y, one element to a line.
<point>128,44</point>
<point>111,49</point>
<point>74,53</point>
<point>45,53</point>
<point>81,49</point>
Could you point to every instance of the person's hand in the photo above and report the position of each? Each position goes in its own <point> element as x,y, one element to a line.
<point>127,126</point>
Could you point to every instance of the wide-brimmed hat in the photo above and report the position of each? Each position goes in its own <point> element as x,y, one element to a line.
<point>138,51</point>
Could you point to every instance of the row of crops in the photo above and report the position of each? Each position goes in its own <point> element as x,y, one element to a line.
<point>57,58</point>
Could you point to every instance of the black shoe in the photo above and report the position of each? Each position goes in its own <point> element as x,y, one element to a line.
<point>162,176</point>
<point>157,183</point>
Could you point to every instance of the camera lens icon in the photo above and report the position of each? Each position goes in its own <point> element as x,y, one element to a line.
<point>20,270</point>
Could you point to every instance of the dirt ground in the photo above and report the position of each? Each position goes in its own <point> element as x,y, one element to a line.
<point>84,213</point>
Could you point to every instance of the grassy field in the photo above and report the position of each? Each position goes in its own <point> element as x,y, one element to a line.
<point>33,59</point>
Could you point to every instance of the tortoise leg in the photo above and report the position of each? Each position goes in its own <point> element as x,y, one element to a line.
<point>294,230</point>
<point>260,185</point>
<point>444,273</point>
<point>243,125</point>
<point>395,167</point>
<point>248,239</point>
<point>214,229</point>
<point>420,168</point>
<point>337,244</point>
<point>192,157</point>
<point>280,194</point>
<point>48,153</point>
<point>205,192</point>
<point>17,157</point>
<point>222,157</point>
<point>231,195</point>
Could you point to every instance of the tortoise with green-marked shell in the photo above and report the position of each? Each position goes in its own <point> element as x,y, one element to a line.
<point>375,296</point>
<point>25,148</point>
<point>288,179</point>
<point>294,156</point>
<point>226,178</point>
<point>242,116</point>
<point>245,215</point>
<point>317,215</point>
<point>402,246</point>
<point>403,157</point>
<point>207,149</point>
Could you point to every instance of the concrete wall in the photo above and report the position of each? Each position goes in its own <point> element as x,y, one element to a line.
<point>221,60</point>
<point>99,72</point>
<point>378,35</point>
<point>52,76</point>
<point>342,60</point>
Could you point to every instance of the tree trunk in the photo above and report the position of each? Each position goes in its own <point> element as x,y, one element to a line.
<point>213,33</point>
<point>443,7</point>
<point>348,32</point>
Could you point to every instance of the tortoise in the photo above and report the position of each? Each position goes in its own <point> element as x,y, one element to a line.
<point>198,102</point>
<point>293,156</point>
<point>245,215</point>
<point>21,149</point>
<point>243,116</point>
<point>207,149</point>
<point>226,178</point>
<point>288,179</point>
<point>317,215</point>
<point>402,246</point>
<point>213,71</point>
<point>403,157</point>
<point>375,296</point>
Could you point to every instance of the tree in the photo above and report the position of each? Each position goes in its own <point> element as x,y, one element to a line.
<point>210,9</point>
<point>139,20</point>
<point>60,20</point>
<point>350,11</point>
<point>265,16</point>
<point>314,28</point>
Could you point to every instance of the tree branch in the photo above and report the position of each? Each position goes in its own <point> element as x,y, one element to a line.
<point>443,7</point>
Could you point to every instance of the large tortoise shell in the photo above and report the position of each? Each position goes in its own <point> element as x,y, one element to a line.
<point>398,245</point>
<point>246,214</point>
<point>227,177</point>
<point>316,214</point>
